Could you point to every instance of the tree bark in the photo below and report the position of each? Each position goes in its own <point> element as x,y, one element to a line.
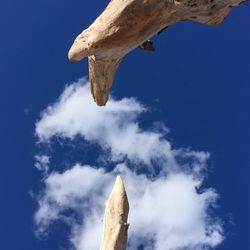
<point>115,230</point>
<point>126,24</point>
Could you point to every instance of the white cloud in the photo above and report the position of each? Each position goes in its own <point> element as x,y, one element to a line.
<point>70,190</point>
<point>42,163</point>
<point>115,127</point>
<point>166,212</point>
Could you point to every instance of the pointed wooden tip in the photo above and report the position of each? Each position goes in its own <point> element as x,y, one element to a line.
<point>119,180</point>
<point>101,75</point>
<point>119,188</point>
<point>119,197</point>
<point>115,230</point>
<point>119,185</point>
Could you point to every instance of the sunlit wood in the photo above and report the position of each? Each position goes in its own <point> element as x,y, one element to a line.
<point>115,225</point>
<point>127,24</point>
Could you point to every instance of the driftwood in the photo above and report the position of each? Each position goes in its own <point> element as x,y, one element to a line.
<point>127,24</point>
<point>115,230</point>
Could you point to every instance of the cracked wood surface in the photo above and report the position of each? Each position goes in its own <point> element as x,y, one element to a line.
<point>127,24</point>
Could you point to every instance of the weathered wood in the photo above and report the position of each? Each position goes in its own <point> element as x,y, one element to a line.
<point>115,230</point>
<point>126,24</point>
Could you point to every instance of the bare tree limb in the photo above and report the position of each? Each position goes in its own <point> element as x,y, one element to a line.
<point>127,24</point>
<point>115,230</point>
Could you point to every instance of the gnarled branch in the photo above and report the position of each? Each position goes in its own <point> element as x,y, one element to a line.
<point>127,24</point>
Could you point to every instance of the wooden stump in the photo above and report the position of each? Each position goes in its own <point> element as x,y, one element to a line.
<point>126,24</point>
<point>115,232</point>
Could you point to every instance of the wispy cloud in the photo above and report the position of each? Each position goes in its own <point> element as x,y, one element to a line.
<point>167,208</point>
<point>42,163</point>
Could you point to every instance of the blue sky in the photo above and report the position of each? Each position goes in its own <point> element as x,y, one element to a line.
<point>197,83</point>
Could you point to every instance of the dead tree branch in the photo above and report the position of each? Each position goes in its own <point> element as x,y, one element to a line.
<point>127,24</point>
<point>115,230</point>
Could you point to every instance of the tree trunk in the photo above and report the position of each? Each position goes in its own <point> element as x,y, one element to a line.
<point>126,24</point>
<point>115,230</point>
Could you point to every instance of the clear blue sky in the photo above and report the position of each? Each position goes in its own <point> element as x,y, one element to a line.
<point>197,82</point>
